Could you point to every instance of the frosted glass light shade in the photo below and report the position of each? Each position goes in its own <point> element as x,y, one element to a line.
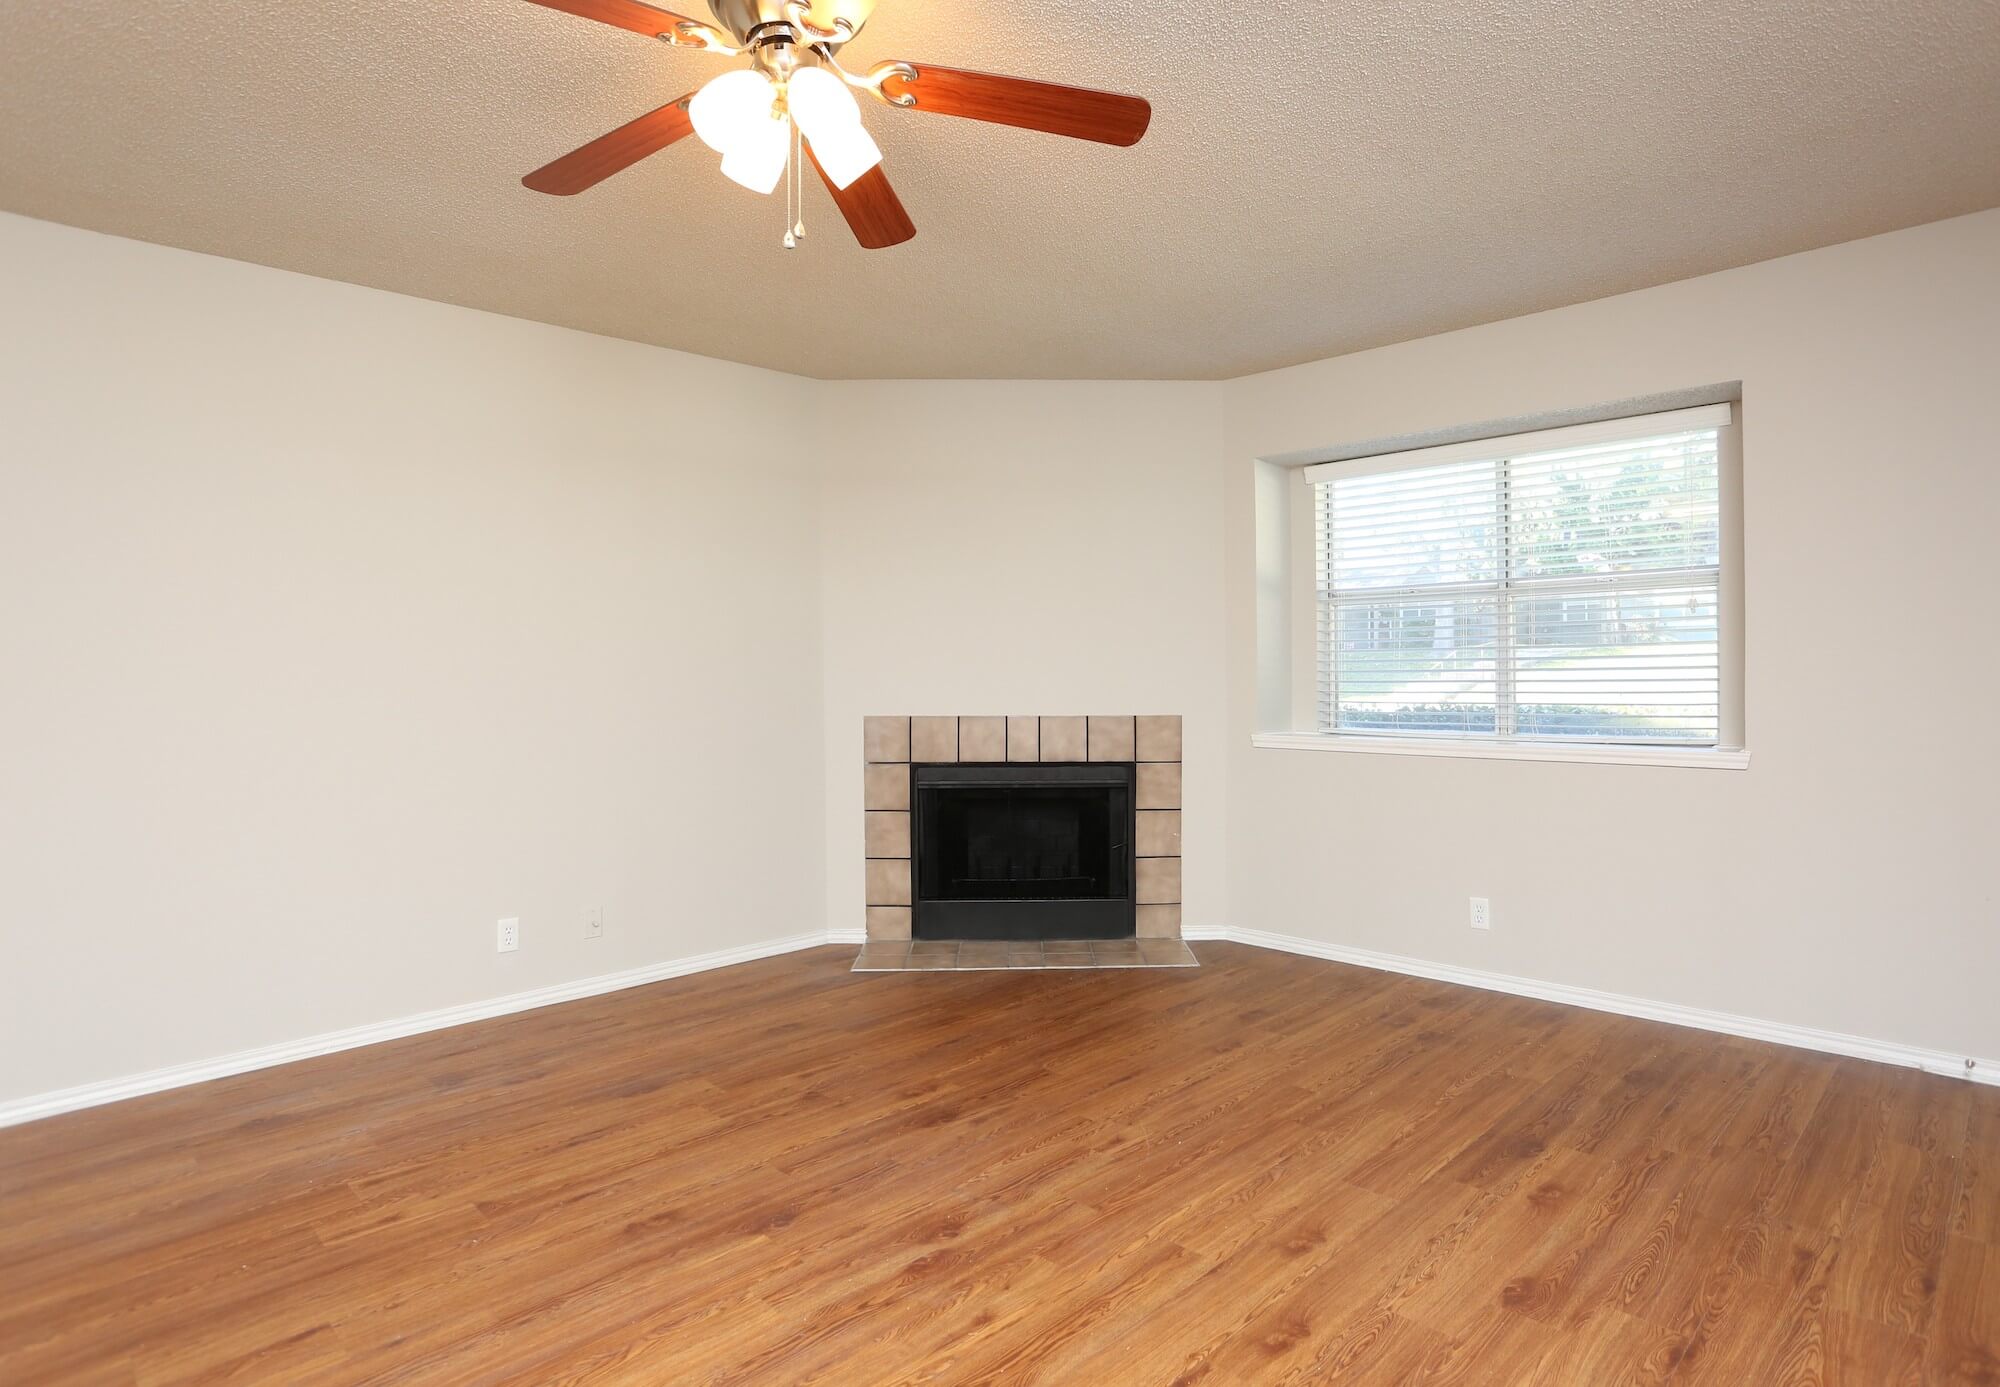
<point>819,99</point>
<point>846,152</point>
<point>730,110</point>
<point>757,159</point>
<point>829,117</point>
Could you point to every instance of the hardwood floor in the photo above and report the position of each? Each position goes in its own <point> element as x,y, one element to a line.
<point>1266,1170</point>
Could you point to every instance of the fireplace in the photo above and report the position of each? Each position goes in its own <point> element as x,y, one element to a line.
<point>1042,816</point>
<point>1022,852</point>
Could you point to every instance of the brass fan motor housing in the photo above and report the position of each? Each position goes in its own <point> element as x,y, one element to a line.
<point>742,18</point>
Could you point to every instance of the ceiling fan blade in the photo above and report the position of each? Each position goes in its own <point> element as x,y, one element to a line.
<point>607,154</point>
<point>871,207</point>
<point>1078,112</point>
<point>630,14</point>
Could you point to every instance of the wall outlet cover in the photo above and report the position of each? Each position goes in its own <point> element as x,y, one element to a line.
<point>1482,913</point>
<point>510,935</point>
<point>593,923</point>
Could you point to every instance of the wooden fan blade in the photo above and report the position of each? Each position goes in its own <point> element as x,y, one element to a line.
<point>871,207</point>
<point>1078,112</point>
<point>625,14</point>
<point>607,154</point>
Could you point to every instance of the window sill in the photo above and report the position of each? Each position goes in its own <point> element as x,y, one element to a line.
<point>1703,758</point>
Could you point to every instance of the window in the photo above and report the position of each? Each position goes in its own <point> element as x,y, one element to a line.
<point>1560,586</point>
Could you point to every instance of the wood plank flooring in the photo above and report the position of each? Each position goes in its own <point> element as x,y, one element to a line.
<point>1266,1170</point>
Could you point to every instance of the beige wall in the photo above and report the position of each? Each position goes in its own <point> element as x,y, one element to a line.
<point>1846,880</point>
<point>1024,547</point>
<point>337,625</point>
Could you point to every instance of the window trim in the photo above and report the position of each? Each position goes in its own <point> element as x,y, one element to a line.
<point>1490,749</point>
<point>1500,448</point>
<point>1728,752</point>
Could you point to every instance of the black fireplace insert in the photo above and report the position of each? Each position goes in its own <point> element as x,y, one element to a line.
<point>1023,851</point>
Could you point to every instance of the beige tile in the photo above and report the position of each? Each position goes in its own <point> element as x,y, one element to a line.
<point>1169,951</point>
<point>983,951</point>
<point>1158,832</point>
<point>885,739</point>
<point>1062,739</point>
<point>1110,739</point>
<point>1159,880</point>
<point>1159,786</point>
<point>1024,740</point>
<point>934,739</point>
<point>889,880</point>
<point>1111,948</point>
<point>888,833</point>
<point>885,787</point>
<point>933,963</point>
<point>889,922</point>
<point>1068,958</point>
<point>928,947</point>
<point>1159,922</point>
<point>882,956</point>
<point>982,739</point>
<point>1159,737</point>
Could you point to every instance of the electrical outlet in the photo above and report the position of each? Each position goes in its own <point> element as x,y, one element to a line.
<point>593,923</point>
<point>510,935</point>
<point>1482,913</point>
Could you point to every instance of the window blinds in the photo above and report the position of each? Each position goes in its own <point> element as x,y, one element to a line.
<point>1554,586</point>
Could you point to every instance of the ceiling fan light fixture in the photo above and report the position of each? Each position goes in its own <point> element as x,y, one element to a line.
<point>757,160</point>
<point>829,117</point>
<point>733,109</point>
<point>794,90</point>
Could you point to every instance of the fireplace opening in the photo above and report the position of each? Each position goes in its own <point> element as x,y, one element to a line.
<point>1022,851</point>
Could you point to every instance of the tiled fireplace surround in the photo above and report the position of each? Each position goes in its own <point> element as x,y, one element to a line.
<point>891,744</point>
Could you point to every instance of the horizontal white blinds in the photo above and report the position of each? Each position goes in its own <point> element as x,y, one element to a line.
<point>1567,593</point>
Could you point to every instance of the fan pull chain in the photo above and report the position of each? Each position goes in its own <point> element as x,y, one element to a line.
<point>791,175</point>
<point>799,177</point>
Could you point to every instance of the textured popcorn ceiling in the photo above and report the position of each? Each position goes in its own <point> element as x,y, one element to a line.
<point>1319,177</point>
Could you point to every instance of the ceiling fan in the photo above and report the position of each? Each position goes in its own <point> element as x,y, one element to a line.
<point>794,103</point>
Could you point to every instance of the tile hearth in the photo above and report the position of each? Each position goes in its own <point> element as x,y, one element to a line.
<point>980,955</point>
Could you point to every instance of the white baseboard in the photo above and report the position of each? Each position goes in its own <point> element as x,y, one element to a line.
<point>243,1061</point>
<point>177,1076</point>
<point>1750,1027</point>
